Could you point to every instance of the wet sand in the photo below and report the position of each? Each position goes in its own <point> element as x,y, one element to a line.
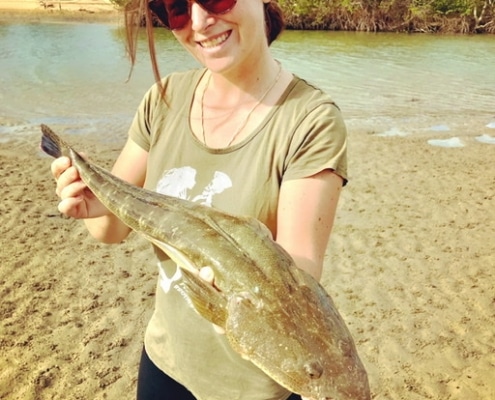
<point>410,267</point>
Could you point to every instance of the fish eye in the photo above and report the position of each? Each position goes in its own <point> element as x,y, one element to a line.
<point>345,347</point>
<point>313,369</point>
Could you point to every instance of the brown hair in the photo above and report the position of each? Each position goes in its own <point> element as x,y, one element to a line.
<point>274,20</point>
<point>137,13</point>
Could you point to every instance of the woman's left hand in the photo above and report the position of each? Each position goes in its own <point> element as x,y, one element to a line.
<point>208,275</point>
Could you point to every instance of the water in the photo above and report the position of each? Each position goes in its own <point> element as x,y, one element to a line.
<point>391,84</point>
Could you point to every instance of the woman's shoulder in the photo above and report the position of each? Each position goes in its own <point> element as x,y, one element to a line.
<point>305,91</point>
<point>303,98</point>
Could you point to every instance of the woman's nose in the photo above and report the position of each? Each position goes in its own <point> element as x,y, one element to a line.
<point>200,18</point>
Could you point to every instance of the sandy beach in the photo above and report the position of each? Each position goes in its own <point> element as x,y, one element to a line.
<point>58,9</point>
<point>410,266</point>
<point>73,5</point>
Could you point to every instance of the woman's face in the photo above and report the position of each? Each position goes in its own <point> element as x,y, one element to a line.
<point>223,42</point>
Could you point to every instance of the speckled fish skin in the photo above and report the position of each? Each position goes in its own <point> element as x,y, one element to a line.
<point>273,313</point>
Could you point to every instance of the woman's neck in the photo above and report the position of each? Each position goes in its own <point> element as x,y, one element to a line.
<point>227,109</point>
<point>235,88</point>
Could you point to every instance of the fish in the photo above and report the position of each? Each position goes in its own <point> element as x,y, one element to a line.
<point>273,313</point>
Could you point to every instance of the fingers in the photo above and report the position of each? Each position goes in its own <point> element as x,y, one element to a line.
<point>207,274</point>
<point>69,183</point>
<point>70,188</point>
<point>59,165</point>
<point>71,206</point>
<point>219,329</point>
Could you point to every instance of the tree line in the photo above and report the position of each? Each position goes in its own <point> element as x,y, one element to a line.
<point>446,16</point>
<point>442,16</point>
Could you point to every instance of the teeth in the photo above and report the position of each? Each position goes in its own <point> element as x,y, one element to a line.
<point>214,42</point>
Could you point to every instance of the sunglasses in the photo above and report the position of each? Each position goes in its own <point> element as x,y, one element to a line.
<point>175,14</point>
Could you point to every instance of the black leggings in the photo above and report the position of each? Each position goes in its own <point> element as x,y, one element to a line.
<point>154,384</point>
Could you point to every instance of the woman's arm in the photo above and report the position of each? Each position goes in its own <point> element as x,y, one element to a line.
<point>78,201</point>
<point>306,214</point>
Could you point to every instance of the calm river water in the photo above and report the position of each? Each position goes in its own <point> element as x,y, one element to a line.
<point>75,75</point>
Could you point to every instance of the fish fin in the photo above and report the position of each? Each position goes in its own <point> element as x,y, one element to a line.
<point>208,302</point>
<point>246,334</point>
<point>51,144</point>
<point>176,255</point>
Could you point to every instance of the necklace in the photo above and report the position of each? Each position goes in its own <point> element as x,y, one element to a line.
<point>241,126</point>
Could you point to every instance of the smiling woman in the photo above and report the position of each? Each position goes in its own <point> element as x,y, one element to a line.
<point>175,15</point>
<point>253,140</point>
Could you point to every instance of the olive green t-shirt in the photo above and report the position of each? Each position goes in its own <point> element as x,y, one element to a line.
<point>302,135</point>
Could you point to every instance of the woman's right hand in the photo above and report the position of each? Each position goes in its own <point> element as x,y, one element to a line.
<point>77,200</point>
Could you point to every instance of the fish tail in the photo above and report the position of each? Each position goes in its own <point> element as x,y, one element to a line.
<point>51,144</point>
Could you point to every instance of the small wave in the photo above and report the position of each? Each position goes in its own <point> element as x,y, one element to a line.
<point>452,142</point>
<point>392,132</point>
<point>439,128</point>
<point>485,139</point>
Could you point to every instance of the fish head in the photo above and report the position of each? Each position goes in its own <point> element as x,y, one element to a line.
<point>335,372</point>
<point>316,359</point>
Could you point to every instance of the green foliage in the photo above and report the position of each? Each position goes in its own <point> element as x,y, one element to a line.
<point>441,7</point>
<point>450,6</point>
<point>301,7</point>
<point>465,16</point>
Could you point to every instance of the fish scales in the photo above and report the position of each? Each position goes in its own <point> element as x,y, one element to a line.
<point>273,313</point>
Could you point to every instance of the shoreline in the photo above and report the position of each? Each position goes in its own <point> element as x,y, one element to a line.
<point>63,11</point>
<point>105,10</point>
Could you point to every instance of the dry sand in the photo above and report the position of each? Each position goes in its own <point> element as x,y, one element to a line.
<point>410,266</point>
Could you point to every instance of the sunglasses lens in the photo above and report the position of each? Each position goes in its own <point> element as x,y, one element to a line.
<point>178,13</point>
<point>157,7</point>
<point>174,14</point>
<point>217,6</point>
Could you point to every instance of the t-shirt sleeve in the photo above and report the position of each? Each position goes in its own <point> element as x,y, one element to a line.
<point>319,143</point>
<point>141,126</point>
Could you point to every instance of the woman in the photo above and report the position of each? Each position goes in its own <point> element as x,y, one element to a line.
<point>241,134</point>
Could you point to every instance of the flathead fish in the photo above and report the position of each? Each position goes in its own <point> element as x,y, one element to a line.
<point>273,313</point>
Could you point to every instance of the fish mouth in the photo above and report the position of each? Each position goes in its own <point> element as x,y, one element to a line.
<point>181,259</point>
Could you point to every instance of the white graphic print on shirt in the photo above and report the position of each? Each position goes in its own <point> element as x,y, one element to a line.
<point>177,182</point>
